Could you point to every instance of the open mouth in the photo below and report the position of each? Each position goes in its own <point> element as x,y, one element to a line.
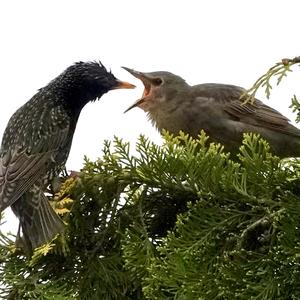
<point>147,87</point>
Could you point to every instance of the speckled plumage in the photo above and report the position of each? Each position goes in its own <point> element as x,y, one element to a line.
<point>36,145</point>
<point>174,105</point>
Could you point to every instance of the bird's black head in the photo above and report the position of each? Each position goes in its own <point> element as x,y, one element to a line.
<point>86,81</point>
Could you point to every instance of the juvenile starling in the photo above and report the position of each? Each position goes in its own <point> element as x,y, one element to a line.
<point>36,145</point>
<point>174,105</point>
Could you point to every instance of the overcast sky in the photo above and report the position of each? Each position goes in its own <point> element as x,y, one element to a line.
<point>202,41</point>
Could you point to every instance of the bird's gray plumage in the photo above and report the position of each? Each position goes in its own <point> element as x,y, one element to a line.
<point>172,104</point>
<point>36,145</point>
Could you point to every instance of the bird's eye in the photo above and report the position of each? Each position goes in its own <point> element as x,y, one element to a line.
<point>157,81</point>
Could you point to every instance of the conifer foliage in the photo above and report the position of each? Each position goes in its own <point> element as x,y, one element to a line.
<point>179,221</point>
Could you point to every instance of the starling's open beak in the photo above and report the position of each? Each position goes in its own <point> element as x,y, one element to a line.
<point>147,84</point>
<point>136,74</point>
<point>135,104</point>
<point>123,85</point>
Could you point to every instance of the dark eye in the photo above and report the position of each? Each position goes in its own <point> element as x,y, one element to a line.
<point>157,81</point>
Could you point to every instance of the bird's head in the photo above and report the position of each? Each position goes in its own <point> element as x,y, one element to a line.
<point>160,89</point>
<point>88,81</point>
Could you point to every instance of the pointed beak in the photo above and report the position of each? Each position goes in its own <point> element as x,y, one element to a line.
<point>136,74</point>
<point>123,85</point>
<point>147,84</point>
<point>137,103</point>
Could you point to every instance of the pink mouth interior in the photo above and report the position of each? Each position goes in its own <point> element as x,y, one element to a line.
<point>147,87</point>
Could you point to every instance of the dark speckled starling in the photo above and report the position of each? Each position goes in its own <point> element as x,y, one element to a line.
<point>174,105</point>
<point>36,145</point>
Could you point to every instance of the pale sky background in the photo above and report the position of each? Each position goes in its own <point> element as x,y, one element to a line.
<point>229,41</point>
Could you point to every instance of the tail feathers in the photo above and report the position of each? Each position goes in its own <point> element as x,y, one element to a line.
<point>38,220</point>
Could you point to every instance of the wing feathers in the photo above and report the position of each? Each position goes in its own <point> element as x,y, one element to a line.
<point>226,98</point>
<point>20,170</point>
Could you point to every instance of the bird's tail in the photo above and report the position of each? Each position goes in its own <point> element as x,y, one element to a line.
<point>38,221</point>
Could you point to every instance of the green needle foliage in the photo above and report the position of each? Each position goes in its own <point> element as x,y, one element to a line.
<point>279,71</point>
<point>179,221</point>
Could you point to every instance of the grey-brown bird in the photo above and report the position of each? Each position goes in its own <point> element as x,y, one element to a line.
<point>36,145</point>
<point>174,105</point>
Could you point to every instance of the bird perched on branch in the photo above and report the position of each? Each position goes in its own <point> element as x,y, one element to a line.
<point>174,105</point>
<point>36,145</point>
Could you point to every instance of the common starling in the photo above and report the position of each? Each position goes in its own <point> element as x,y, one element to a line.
<point>174,105</point>
<point>36,145</point>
